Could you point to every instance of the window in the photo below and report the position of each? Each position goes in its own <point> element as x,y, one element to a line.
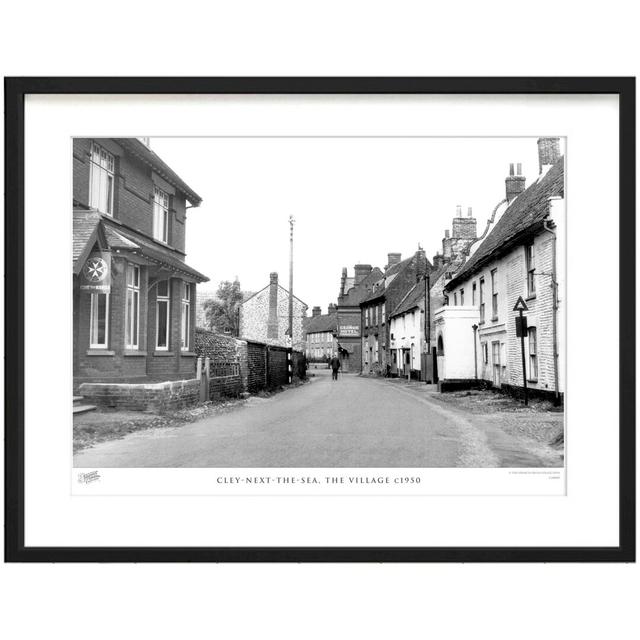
<point>186,316</point>
<point>455,299</point>
<point>462,297</point>
<point>384,313</point>
<point>133,306</point>
<point>473,294</point>
<point>99,321</point>
<point>101,179</point>
<point>530,258</point>
<point>533,354</point>
<point>485,353</point>
<point>160,215</point>
<point>494,294</point>
<point>481,299</point>
<point>162,316</point>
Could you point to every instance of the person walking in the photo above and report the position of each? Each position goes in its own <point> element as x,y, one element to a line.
<point>335,366</point>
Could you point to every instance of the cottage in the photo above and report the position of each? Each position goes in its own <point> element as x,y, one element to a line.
<point>320,334</point>
<point>386,293</point>
<point>134,296</point>
<point>520,255</point>
<point>264,316</point>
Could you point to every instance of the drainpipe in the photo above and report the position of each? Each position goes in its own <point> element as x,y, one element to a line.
<point>554,285</point>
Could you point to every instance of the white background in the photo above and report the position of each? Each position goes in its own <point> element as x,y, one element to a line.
<point>274,38</point>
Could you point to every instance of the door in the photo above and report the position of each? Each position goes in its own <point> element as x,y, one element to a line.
<point>495,361</point>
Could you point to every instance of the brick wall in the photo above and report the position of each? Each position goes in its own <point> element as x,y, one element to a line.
<point>256,367</point>
<point>133,190</point>
<point>277,372</point>
<point>157,398</point>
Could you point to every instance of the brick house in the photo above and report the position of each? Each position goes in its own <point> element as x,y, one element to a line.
<point>134,297</point>
<point>320,333</point>
<point>264,316</point>
<point>386,293</point>
<point>522,255</point>
<point>353,290</point>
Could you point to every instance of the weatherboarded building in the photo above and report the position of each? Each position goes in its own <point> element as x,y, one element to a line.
<point>520,256</point>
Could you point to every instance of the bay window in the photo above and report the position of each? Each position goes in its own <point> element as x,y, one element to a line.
<point>186,316</point>
<point>162,316</point>
<point>99,321</point>
<point>133,307</point>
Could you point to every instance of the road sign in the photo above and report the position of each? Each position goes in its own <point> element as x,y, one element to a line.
<point>521,326</point>
<point>521,305</point>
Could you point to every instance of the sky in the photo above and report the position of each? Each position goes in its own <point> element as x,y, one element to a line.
<point>354,200</point>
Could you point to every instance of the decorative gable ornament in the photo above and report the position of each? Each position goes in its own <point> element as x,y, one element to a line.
<point>96,273</point>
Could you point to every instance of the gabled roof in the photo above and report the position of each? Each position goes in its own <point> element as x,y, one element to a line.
<point>250,295</point>
<point>90,226</point>
<point>358,293</point>
<point>394,284</point>
<point>413,300</point>
<point>150,157</point>
<point>526,213</point>
<point>322,324</point>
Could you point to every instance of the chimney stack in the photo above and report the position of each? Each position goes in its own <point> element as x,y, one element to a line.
<point>548,152</point>
<point>272,325</point>
<point>438,261</point>
<point>421,264</point>
<point>514,182</point>
<point>316,311</point>
<point>332,308</point>
<point>361,272</point>
<point>393,258</point>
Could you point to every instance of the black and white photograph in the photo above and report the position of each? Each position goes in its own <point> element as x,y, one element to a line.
<point>319,302</point>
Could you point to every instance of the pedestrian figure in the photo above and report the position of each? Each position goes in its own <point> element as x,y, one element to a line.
<point>335,366</point>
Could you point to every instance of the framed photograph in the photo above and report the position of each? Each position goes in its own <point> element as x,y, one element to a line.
<point>320,319</point>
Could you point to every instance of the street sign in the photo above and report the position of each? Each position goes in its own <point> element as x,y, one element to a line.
<point>521,327</point>
<point>521,305</point>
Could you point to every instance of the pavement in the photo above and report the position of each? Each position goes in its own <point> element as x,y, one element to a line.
<point>353,422</point>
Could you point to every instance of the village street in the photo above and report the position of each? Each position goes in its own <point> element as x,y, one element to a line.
<point>354,422</point>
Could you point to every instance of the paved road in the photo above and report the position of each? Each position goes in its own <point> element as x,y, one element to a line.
<point>354,422</point>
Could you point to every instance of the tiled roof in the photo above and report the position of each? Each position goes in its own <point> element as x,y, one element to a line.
<point>322,324</point>
<point>413,299</point>
<point>150,157</point>
<point>357,294</point>
<point>132,241</point>
<point>528,210</point>
<point>85,226</point>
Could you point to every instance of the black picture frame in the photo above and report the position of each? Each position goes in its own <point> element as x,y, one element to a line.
<point>15,91</point>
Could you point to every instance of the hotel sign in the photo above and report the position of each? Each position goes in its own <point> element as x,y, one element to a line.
<point>349,330</point>
<point>96,273</point>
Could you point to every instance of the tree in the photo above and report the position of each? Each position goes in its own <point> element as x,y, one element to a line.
<point>221,313</point>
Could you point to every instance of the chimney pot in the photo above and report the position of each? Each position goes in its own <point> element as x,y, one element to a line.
<point>459,211</point>
<point>273,277</point>
<point>519,168</point>
<point>446,233</point>
<point>511,168</point>
<point>469,212</point>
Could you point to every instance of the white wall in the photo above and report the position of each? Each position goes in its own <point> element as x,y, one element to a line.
<point>455,325</point>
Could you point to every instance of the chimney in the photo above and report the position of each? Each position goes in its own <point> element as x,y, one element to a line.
<point>446,233</point>
<point>514,182</point>
<point>332,308</point>
<point>458,211</point>
<point>469,212</point>
<point>421,264</point>
<point>316,311</point>
<point>272,326</point>
<point>393,258</point>
<point>548,152</point>
<point>361,272</point>
<point>438,261</point>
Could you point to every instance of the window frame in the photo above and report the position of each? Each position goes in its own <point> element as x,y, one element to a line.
<point>494,294</point>
<point>482,302</point>
<point>185,317</point>
<point>132,288</point>
<point>530,267</point>
<point>533,357</point>
<point>109,171</point>
<point>165,300</point>
<point>92,319</point>
<point>161,205</point>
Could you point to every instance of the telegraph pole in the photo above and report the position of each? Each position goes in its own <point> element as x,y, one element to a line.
<point>290,353</point>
